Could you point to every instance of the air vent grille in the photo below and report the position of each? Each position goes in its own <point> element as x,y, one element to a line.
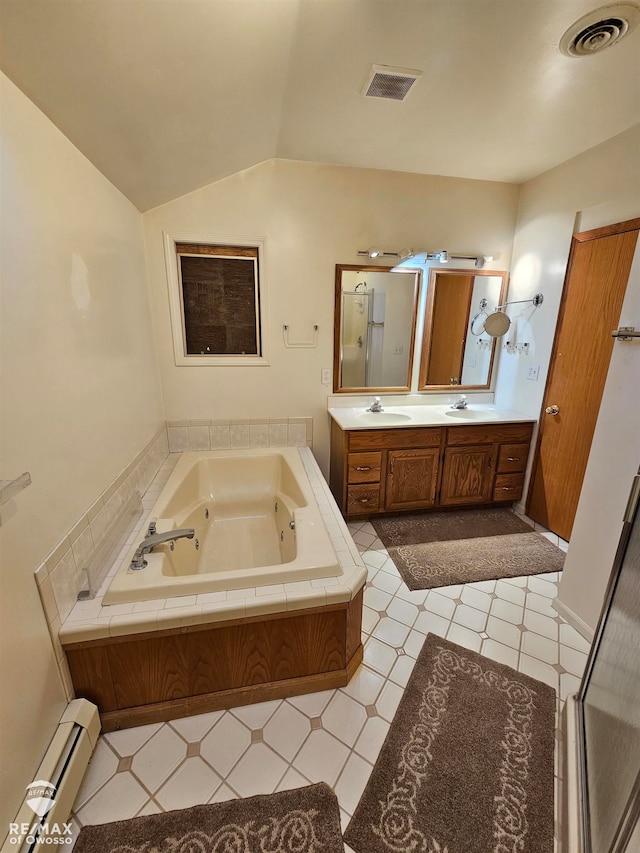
<point>393,84</point>
<point>599,30</point>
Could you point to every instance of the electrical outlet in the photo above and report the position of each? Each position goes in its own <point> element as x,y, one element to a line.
<point>398,349</point>
<point>532,373</point>
<point>325,375</point>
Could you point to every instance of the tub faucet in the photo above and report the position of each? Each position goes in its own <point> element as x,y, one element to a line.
<point>460,403</point>
<point>376,406</point>
<point>150,542</point>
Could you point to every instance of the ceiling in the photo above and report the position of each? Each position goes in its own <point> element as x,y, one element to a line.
<point>166,96</point>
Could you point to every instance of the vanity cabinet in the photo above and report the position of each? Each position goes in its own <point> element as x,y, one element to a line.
<point>467,475</point>
<point>411,479</point>
<point>377,471</point>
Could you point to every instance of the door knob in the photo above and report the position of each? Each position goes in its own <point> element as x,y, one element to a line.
<point>552,410</point>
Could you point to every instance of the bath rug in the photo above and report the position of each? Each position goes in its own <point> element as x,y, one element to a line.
<point>305,820</point>
<point>467,765</point>
<point>446,548</point>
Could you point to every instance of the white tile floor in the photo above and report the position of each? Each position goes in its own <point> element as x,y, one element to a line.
<point>333,736</point>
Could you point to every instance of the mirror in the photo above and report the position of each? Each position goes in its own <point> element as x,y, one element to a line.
<point>375,326</point>
<point>456,348</point>
<point>497,324</point>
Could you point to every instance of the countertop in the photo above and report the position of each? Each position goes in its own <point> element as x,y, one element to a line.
<point>349,418</point>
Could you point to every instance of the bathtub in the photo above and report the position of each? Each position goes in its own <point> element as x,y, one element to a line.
<point>256,523</point>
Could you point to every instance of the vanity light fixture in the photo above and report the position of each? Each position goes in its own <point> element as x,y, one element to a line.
<point>374,252</point>
<point>443,256</point>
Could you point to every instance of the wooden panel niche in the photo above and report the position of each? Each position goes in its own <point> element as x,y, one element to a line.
<point>161,675</point>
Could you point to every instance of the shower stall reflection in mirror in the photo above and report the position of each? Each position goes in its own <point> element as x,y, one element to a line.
<point>608,706</point>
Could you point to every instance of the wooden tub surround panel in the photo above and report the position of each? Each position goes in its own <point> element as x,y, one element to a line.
<point>162,675</point>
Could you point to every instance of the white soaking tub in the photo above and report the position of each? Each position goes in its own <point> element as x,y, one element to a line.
<point>256,523</point>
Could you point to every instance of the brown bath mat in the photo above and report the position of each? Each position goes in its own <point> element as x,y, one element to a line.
<point>305,820</point>
<point>445,548</point>
<point>467,764</point>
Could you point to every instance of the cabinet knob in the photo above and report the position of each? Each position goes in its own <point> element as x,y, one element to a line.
<point>552,410</point>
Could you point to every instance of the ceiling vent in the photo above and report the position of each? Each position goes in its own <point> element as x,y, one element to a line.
<point>600,30</point>
<point>384,81</point>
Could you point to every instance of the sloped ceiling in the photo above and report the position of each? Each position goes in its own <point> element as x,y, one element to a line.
<point>165,96</point>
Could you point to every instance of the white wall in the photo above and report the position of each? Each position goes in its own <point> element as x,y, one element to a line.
<point>312,216</point>
<point>80,396</point>
<point>599,187</point>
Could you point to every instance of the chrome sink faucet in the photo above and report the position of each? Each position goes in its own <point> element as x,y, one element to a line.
<point>460,403</point>
<point>376,406</point>
<point>150,542</point>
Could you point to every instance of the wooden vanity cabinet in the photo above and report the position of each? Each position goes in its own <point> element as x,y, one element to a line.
<point>467,475</point>
<point>407,468</point>
<point>412,478</point>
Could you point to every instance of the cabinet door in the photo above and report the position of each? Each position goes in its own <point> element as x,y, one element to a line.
<point>411,478</point>
<point>467,477</point>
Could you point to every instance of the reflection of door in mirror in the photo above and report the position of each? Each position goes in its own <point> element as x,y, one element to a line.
<point>456,352</point>
<point>451,302</point>
<point>375,327</point>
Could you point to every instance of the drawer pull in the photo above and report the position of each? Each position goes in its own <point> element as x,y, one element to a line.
<point>507,488</point>
<point>513,458</point>
<point>362,500</point>
<point>364,467</point>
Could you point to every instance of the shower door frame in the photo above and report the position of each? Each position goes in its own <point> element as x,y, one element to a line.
<point>631,813</point>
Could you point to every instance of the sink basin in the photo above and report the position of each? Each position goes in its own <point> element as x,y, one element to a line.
<point>470,414</point>
<point>380,418</point>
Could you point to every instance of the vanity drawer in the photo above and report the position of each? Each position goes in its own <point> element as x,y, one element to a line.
<point>364,467</point>
<point>489,434</point>
<point>394,439</point>
<point>508,487</point>
<point>363,499</point>
<point>513,457</point>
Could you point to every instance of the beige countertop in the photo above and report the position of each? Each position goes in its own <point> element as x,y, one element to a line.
<point>349,418</point>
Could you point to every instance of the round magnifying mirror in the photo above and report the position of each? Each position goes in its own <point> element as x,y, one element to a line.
<point>497,324</point>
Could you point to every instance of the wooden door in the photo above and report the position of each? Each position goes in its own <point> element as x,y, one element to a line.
<point>452,298</point>
<point>412,478</point>
<point>468,473</point>
<point>595,285</point>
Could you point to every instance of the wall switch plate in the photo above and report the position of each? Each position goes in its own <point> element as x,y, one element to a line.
<point>532,373</point>
<point>325,375</point>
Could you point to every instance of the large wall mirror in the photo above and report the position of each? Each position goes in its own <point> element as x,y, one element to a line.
<point>456,350</point>
<point>375,327</point>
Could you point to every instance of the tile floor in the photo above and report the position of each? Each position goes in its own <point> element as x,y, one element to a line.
<point>333,736</point>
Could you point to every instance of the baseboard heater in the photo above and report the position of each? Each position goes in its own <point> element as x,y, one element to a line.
<point>40,822</point>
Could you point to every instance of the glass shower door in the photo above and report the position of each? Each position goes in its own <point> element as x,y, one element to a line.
<point>609,704</point>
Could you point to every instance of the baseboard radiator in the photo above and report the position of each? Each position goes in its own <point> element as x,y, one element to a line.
<point>42,821</point>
